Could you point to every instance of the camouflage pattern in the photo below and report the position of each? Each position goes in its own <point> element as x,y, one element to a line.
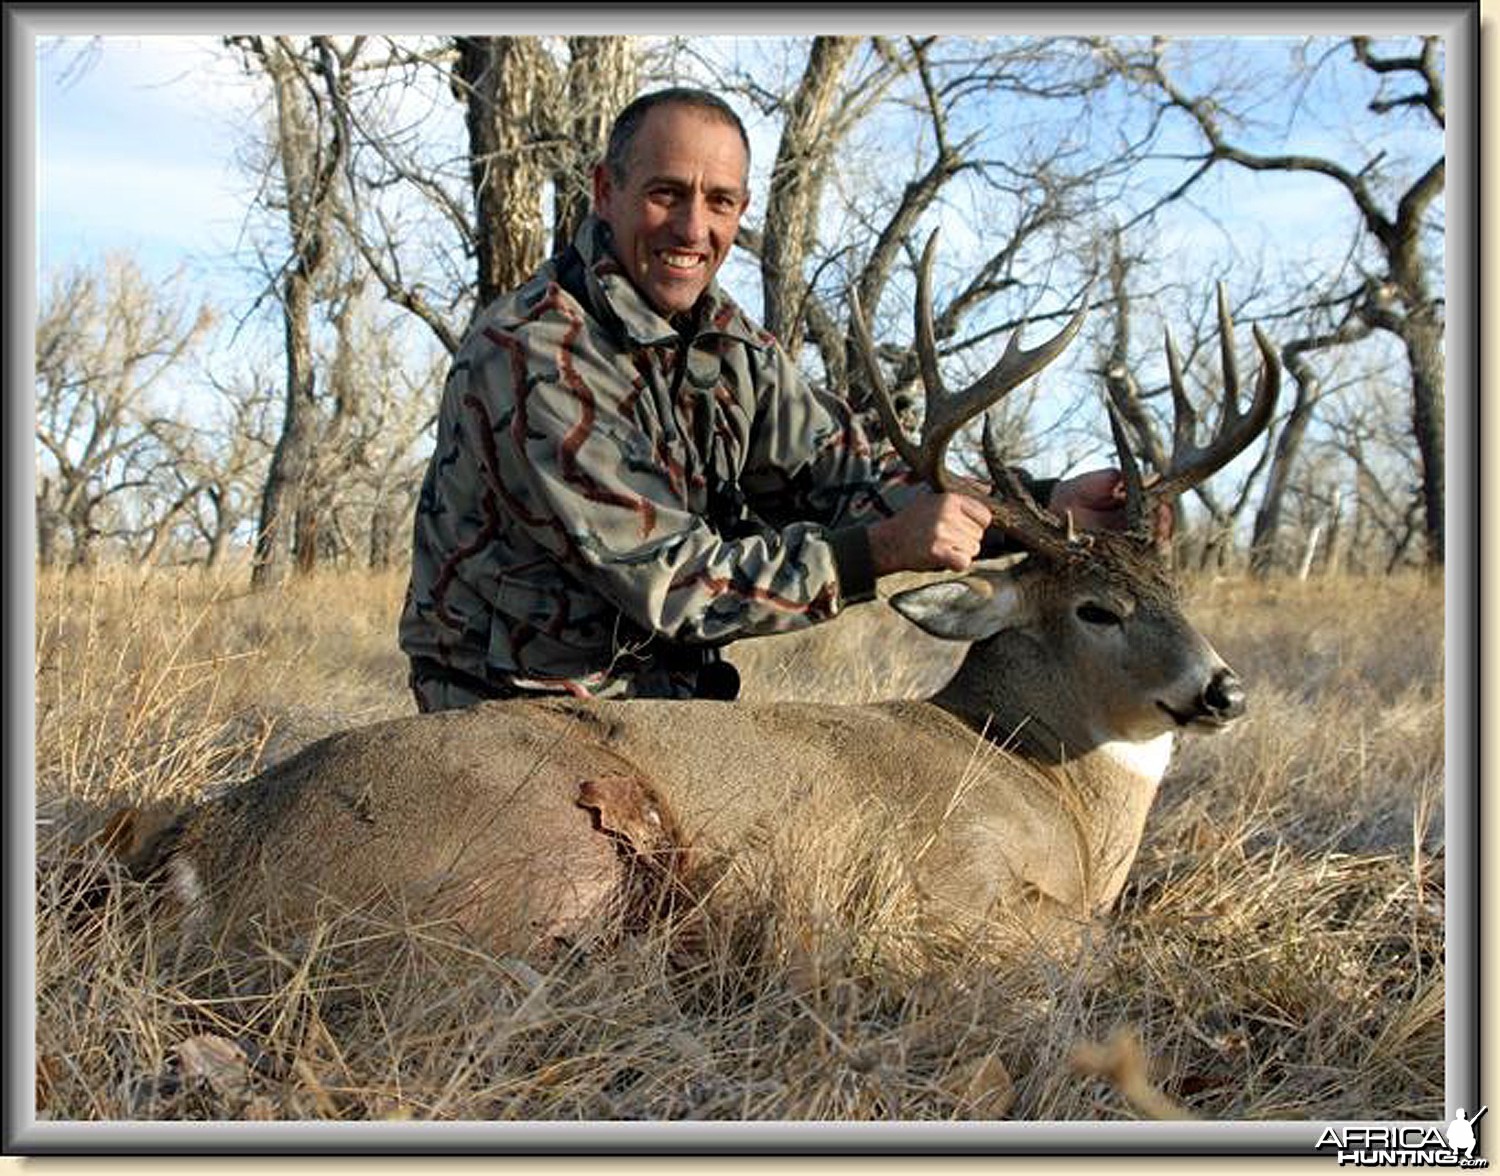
<point>606,492</point>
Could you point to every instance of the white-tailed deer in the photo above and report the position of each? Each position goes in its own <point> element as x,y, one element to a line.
<point>1020,788</point>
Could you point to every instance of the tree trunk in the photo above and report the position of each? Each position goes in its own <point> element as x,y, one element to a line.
<point>286,482</point>
<point>1424,349</point>
<point>508,85</point>
<point>796,188</point>
<point>311,147</point>
<point>219,541</point>
<point>47,525</point>
<point>603,77</point>
<point>1263,540</point>
<point>385,519</point>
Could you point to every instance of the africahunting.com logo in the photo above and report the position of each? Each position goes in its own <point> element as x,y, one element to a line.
<point>1407,1146</point>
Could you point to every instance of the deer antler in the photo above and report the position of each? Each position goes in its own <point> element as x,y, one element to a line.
<point>948,411</point>
<point>1190,462</point>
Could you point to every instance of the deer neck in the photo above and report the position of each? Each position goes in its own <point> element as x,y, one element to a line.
<point>1011,690</point>
<point>1013,694</point>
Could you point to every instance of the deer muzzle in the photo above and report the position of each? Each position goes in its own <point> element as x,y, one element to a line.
<point>1223,699</point>
<point>1219,703</point>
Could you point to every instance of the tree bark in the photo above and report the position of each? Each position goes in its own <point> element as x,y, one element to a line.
<point>312,148</point>
<point>603,75</point>
<point>1294,355</point>
<point>797,179</point>
<point>508,84</point>
<point>1397,302</point>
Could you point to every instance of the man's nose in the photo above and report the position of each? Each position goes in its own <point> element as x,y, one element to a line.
<point>691,221</point>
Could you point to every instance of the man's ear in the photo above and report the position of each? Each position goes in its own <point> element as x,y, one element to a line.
<point>603,187</point>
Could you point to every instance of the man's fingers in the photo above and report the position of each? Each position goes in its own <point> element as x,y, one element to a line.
<point>978,511</point>
<point>955,559</point>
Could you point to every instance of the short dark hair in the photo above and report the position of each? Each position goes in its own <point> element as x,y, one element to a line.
<point>628,122</point>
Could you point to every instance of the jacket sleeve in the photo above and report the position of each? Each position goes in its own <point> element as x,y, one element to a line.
<point>811,458</point>
<point>814,460</point>
<point>598,491</point>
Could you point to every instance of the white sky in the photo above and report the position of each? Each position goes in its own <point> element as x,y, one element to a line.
<point>136,152</point>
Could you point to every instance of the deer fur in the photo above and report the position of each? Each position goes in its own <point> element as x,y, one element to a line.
<point>1020,790</point>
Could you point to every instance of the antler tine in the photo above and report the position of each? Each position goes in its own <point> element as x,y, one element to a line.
<point>1014,368</point>
<point>1192,463</point>
<point>1130,469</point>
<point>1184,415</point>
<point>926,338</point>
<point>1018,514</point>
<point>947,412</point>
<point>864,348</point>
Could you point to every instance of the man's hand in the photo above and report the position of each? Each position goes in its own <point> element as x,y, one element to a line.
<point>1096,500</point>
<point>933,532</point>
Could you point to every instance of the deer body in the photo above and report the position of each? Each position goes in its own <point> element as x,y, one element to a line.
<point>1022,787</point>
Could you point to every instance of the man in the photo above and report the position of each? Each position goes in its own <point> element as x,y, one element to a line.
<point>629,473</point>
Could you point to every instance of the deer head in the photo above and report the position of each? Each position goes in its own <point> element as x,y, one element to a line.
<point>1015,512</point>
<point>1102,605</point>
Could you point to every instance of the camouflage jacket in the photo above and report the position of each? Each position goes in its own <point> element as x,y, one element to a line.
<point>606,492</point>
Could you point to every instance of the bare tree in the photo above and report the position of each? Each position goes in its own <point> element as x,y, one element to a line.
<point>433,159</point>
<point>371,466</point>
<point>106,338</point>
<point>809,135</point>
<point>1308,389</point>
<point>603,75</point>
<point>308,81</point>
<point>226,458</point>
<point>1371,434</point>
<point>1215,538</point>
<point>507,83</point>
<point>1395,214</point>
<point>445,232</point>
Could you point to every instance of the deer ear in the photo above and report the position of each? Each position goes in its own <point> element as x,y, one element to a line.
<point>967,609</point>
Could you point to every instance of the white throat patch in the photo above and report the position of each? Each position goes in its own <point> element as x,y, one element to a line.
<point>1148,758</point>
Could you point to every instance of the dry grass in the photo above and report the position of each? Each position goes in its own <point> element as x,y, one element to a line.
<point>1278,953</point>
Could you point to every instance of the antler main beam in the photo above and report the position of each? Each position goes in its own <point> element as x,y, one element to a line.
<point>948,411</point>
<point>1192,463</point>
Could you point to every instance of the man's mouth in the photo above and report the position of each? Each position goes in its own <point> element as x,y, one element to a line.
<point>680,261</point>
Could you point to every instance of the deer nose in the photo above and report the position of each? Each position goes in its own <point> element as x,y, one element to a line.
<point>1224,696</point>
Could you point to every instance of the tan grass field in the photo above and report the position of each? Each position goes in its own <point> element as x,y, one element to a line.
<point>1277,954</point>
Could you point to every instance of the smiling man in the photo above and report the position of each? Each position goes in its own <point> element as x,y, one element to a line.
<point>630,474</point>
<point>672,193</point>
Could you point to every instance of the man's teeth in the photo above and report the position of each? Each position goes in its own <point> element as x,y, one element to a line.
<point>680,260</point>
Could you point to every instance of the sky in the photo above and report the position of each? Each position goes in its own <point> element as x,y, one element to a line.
<point>136,151</point>
<point>138,147</point>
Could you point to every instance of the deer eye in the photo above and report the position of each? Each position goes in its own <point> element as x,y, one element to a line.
<point>1097,614</point>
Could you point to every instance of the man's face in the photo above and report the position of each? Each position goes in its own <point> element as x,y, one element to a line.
<point>675,212</point>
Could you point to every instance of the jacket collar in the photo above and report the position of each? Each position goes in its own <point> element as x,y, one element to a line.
<point>717,313</point>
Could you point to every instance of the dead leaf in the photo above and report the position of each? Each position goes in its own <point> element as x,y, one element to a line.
<point>216,1061</point>
<point>985,1089</point>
